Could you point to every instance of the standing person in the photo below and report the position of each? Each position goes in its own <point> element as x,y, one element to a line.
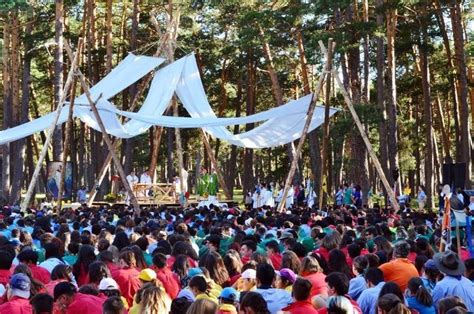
<point>290,197</point>
<point>82,195</point>
<point>310,193</point>
<point>268,197</point>
<point>347,194</point>
<point>421,197</point>
<point>132,179</point>
<point>339,197</point>
<point>18,293</point>
<point>203,184</point>
<point>357,196</point>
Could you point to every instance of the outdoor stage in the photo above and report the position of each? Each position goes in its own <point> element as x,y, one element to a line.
<point>170,204</point>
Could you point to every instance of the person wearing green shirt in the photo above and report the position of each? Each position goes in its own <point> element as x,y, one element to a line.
<point>347,194</point>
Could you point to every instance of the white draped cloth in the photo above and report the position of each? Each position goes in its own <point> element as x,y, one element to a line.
<point>276,126</point>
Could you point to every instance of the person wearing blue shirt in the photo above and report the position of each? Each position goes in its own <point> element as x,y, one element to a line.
<point>418,297</point>
<point>276,299</point>
<point>368,298</point>
<point>453,283</point>
<point>357,284</point>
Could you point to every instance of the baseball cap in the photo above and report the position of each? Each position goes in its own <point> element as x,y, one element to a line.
<point>286,235</point>
<point>108,284</point>
<point>287,274</point>
<point>430,264</point>
<point>63,288</point>
<point>20,284</point>
<point>230,294</point>
<point>249,274</point>
<point>194,272</point>
<point>147,274</point>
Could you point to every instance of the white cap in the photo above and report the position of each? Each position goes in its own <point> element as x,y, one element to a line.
<point>249,274</point>
<point>108,284</point>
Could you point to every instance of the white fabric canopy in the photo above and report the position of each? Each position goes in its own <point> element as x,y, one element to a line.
<point>279,125</point>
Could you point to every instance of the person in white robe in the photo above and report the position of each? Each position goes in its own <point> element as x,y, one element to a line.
<point>146,179</point>
<point>132,179</point>
<point>184,176</point>
<point>290,197</point>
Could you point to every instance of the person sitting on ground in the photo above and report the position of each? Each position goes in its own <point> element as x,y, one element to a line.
<point>367,299</point>
<point>301,294</point>
<point>430,275</point>
<point>30,258</point>
<point>113,305</point>
<point>276,298</point>
<point>6,260</point>
<point>228,298</point>
<point>109,288</point>
<point>68,300</point>
<point>453,283</point>
<point>18,293</point>
<point>399,270</point>
<point>246,250</point>
<point>253,303</point>
<point>273,252</point>
<point>469,263</point>
<point>418,297</point>
<point>42,303</point>
<point>168,279</point>
<point>391,304</point>
<point>285,279</point>
<point>200,289</point>
<point>357,284</point>
<point>449,303</point>
<point>154,300</point>
<point>127,276</point>
<point>338,285</point>
<point>311,270</point>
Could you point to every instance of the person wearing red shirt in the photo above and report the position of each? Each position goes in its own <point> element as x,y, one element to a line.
<point>30,258</point>
<point>69,301</point>
<point>246,250</point>
<point>108,258</point>
<point>338,286</point>
<point>301,294</point>
<point>168,279</point>
<point>127,276</point>
<point>273,252</point>
<point>18,293</point>
<point>6,260</point>
<point>311,271</point>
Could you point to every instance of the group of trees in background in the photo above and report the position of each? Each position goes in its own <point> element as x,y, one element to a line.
<point>404,62</point>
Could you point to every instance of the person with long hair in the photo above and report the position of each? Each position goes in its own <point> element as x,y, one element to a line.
<point>80,269</point>
<point>139,257</point>
<point>233,264</point>
<point>215,265</point>
<point>383,248</point>
<point>311,271</point>
<point>61,273</point>
<point>338,263</point>
<point>418,297</point>
<point>154,300</point>
<point>127,276</point>
<point>97,271</point>
<point>290,260</point>
<point>180,268</point>
<point>202,306</point>
<point>391,304</point>
<point>330,241</point>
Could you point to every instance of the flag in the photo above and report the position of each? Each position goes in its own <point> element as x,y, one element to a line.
<point>446,225</point>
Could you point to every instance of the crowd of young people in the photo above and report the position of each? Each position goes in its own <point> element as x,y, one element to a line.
<point>229,260</point>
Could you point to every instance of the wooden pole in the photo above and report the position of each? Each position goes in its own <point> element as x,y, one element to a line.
<point>105,136</point>
<point>214,164</point>
<point>368,145</point>
<point>324,157</point>
<point>309,117</point>
<point>52,127</point>
<point>69,126</point>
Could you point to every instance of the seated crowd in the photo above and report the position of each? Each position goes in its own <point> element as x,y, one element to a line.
<point>227,260</point>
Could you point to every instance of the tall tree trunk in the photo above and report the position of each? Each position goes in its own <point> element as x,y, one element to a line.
<point>358,151</point>
<point>232,166</point>
<point>451,78</point>
<point>248,174</point>
<point>460,62</point>
<point>58,74</point>
<point>7,107</point>
<point>18,169</point>
<point>392,141</point>
<point>366,87</point>
<point>108,23</point>
<point>428,116</point>
<point>278,95</point>
<point>133,88</point>
<point>313,138</point>
<point>380,60</point>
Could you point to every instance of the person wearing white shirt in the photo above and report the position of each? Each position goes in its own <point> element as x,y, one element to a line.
<point>132,179</point>
<point>290,197</point>
<point>268,197</point>
<point>146,179</point>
